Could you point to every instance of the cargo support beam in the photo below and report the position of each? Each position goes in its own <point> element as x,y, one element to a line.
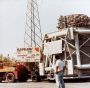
<point>77,49</point>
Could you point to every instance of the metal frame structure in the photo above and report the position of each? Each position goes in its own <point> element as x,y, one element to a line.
<point>33,35</point>
<point>73,48</point>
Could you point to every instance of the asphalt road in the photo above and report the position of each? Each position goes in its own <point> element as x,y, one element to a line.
<point>44,85</point>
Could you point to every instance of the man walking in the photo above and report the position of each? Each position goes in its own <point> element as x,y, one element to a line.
<point>59,72</point>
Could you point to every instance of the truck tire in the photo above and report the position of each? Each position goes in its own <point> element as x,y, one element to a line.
<point>22,76</point>
<point>36,77</point>
<point>10,77</point>
<point>1,79</point>
<point>22,73</point>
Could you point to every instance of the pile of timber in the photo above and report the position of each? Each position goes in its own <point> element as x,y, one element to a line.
<point>74,20</point>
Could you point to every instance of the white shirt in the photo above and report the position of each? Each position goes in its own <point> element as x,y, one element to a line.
<point>60,64</point>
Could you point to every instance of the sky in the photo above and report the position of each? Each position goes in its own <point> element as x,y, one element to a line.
<point>13,18</point>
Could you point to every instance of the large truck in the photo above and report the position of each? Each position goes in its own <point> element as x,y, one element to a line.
<point>72,40</point>
<point>18,72</point>
<point>31,56</point>
<point>74,43</point>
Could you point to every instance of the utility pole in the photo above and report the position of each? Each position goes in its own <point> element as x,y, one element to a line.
<point>33,35</point>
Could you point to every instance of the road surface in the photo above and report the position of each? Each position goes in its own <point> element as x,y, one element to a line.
<point>43,85</point>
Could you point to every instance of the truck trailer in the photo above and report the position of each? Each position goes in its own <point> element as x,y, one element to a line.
<point>74,42</point>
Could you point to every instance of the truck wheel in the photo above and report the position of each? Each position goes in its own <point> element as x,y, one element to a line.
<point>22,73</point>
<point>38,78</point>
<point>1,79</point>
<point>10,77</point>
<point>22,77</point>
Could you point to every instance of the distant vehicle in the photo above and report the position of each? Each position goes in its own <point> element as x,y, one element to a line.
<point>12,74</point>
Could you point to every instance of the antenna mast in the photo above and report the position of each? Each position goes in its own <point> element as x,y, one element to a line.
<point>33,35</point>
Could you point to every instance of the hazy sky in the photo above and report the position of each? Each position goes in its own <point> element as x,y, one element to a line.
<point>12,19</point>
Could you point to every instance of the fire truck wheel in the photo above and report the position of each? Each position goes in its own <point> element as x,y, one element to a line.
<point>10,77</point>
